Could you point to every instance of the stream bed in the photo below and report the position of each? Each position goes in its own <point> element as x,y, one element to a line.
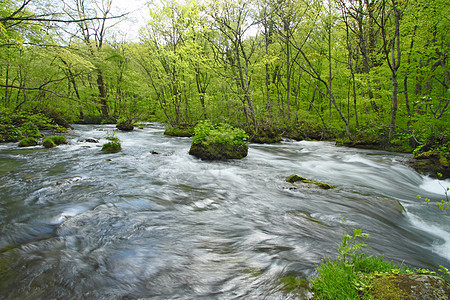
<point>153,222</point>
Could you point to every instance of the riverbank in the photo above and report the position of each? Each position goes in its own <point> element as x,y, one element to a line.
<point>431,156</point>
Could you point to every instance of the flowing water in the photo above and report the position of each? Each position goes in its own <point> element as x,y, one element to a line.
<point>153,222</point>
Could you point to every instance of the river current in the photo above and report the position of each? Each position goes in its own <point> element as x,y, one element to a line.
<point>153,222</point>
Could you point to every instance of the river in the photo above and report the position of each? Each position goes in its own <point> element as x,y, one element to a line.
<point>153,222</point>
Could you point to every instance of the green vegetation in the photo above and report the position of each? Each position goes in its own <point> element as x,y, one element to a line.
<point>295,178</point>
<point>354,275</point>
<point>218,141</point>
<point>208,133</point>
<point>125,125</point>
<point>48,143</point>
<point>53,141</point>
<point>370,74</point>
<point>180,130</point>
<point>28,142</point>
<point>113,145</point>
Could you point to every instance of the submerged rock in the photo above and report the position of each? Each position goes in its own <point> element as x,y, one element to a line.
<point>88,140</point>
<point>295,178</point>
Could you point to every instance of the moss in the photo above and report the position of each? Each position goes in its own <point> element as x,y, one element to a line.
<point>125,125</point>
<point>28,142</point>
<point>409,286</point>
<point>180,130</point>
<point>265,135</point>
<point>217,151</point>
<point>53,141</point>
<point>293,284</point>
<point>111,147</point>
<point>59,140</point>
<point>218,141</point>
<point>295,178</point>
<point>48,143</point>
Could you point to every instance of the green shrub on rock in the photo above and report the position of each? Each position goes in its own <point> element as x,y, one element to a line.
<point>125,125</point>
<point>53,141</point>
<point>218,141</point>
<point>28,142</point>
<point>113,145</point>
<point>59,140</point>
<point>179,130</point>
<point>48,143</point>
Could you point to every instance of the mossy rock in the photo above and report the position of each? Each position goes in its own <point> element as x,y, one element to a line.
<point>111,147</point>
<point>59,139</point>
<point>53,141</point>
<point>295,178</point>
<point>218,151</point>
<point>409,286</point>
<point>265,135</point>
<point>180,130</point>
<point>125,125</point>
<point>28,142</point>
<point>48,143</point>
<point>431,163</point>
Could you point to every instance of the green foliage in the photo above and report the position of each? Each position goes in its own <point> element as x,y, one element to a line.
<point>53,141</point>
<point>113,145</point>
<point>59,139</point>
<point>27,142</point>
<point>208,133</point>
<point>125,125</point>
<point>179,130</point>
<point>112,137</point>
<point>48,142</point>
<point>350,248</point>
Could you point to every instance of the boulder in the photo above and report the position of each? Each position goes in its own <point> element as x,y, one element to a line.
<point>28,142</point>
<point>410,286</point>
<point>111,147</point>
<point>126,125</point>
<point>431,163</point>
<point>217,151</point>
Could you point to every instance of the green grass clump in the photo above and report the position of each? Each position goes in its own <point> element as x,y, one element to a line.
<point>354,275</point>
<point>53,141</point>
<point>111,147</point>
<point>28,142</point>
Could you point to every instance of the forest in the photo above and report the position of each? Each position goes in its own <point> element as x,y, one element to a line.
<point>364,72</point>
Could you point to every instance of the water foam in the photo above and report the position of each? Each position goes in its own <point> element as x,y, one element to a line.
<point>442,243</point>
<point>435,186</point>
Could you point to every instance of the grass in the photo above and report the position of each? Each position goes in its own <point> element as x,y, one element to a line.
<point>354,275</point>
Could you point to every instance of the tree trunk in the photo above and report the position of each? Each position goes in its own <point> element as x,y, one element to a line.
<point>102,94</point>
